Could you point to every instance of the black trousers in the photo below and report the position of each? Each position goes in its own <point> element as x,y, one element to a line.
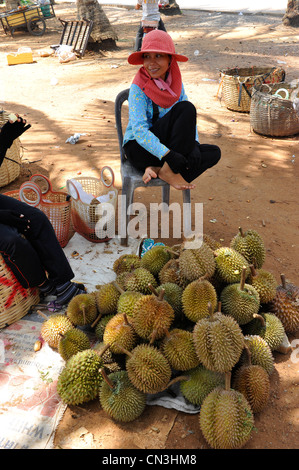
<point>30,258</point>
<point>176,130</point>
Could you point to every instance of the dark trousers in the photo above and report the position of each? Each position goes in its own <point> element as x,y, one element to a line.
<point>139,36</point>
<point>30,258</point>
<point>176,130</point>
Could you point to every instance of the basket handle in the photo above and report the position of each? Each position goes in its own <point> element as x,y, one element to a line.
<point>36,177</point>
<point>72,190</point>
<point>34,187</point>
<point>112,176</point>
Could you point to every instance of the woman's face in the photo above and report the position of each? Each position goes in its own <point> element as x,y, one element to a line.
<point>156,64</point>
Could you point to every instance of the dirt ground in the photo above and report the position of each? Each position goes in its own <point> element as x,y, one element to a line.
<point>255,185</point>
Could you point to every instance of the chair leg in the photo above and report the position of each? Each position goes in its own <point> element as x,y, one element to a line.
<point>187,212</point>
<point>165,194</point>
<point>126,201</point>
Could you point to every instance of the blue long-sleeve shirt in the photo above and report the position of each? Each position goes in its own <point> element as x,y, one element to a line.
<point>141,118</point>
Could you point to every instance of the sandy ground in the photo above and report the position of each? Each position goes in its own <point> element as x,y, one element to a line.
<point>255,185</point>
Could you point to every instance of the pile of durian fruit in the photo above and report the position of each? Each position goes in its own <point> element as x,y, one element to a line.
<point>205,316</point>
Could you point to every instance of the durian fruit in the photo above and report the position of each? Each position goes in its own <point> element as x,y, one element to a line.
<point>106,298</point>
<point>173,295</point>
<point>211,242</point>
<point>127,300</point>
<point>226,419</point>
<point>229,265</point>
<point>268,326</point>
<point>152,315</point>
<point>178,348</point>
<point>200,383</point>
<point>126,263</point>
<point>218,341</point>
<point>71,342</point>
<point>155,258</point>
<point>251,245</point>
<point>137,280</point>
<point>82,309</point>
<point>101,325</point>
<point>171,272</point>
<point>148,369</point>
<point>196,297</point>
<point>119,398</point>
<point>260,353</point>
<point>254,383</point>
<point>241,301</point>
<point>53,327</point>
<point>264,282</point>
<point>197,262</point>
<point>109,360</point>
<point>285,305</point>
<point>119,332</point>
<point>80,379</point>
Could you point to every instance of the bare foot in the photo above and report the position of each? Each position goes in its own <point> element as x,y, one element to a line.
<point>149,173</point>
<point>174,179</point>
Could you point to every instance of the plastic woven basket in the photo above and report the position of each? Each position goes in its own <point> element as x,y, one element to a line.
<point>10,169</point>
<point>38,192</point>
<point>272,110</point>
<point>86,194</point>
<point>15,300</point>
<point>237,83</point>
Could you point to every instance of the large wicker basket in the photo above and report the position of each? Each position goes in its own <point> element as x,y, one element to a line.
<point>272,111</point>
<point>237,83</point>
<point>15,300</point>
<point>10,169</point>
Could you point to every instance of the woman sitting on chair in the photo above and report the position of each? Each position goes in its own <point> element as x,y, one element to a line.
<point>161,137</point>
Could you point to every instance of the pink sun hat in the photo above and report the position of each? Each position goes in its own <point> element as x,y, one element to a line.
<point>156,41</point>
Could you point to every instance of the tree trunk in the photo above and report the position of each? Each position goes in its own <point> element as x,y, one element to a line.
<point>291,17</point>
<point>173,9</point>
<point>102,36</point>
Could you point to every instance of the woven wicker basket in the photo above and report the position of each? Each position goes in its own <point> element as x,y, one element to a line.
<point>9,171</point>
<point>15,301</point>
<point>237,83</point>
<point>85,216</point>
<point>272,112</point>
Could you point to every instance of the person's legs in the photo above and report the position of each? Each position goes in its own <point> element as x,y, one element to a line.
<point>138,39</point>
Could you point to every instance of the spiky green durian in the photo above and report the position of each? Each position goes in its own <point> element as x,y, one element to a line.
<point>80,380</point>
<point>264,282</point>
<point>82,309</point>
<point>200,383</point>
<point>218,341</point>
<point>126,263</point>
<point>71,342</point>
<point>148,369</point>
<point>196,297</point>
<point>226,419</point>
<point>173,295</point>
<point>119,332</point>
<point>179,350</point>
<point>119,398</point>
<point>240,300</point>
<point>285,305</point>
<point>138,281</point>
<point>106,298</point>
<point>152,315</point>
<point>197,262</point>
<point>171,272</point>
<point>229,265</point>
<point>53,327</point>
<point>260,353</point>
<point>268,326</point>
<point>155,258</point>
<point>127,300</point>
<point>251,245</point>
<point>101,325</point>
